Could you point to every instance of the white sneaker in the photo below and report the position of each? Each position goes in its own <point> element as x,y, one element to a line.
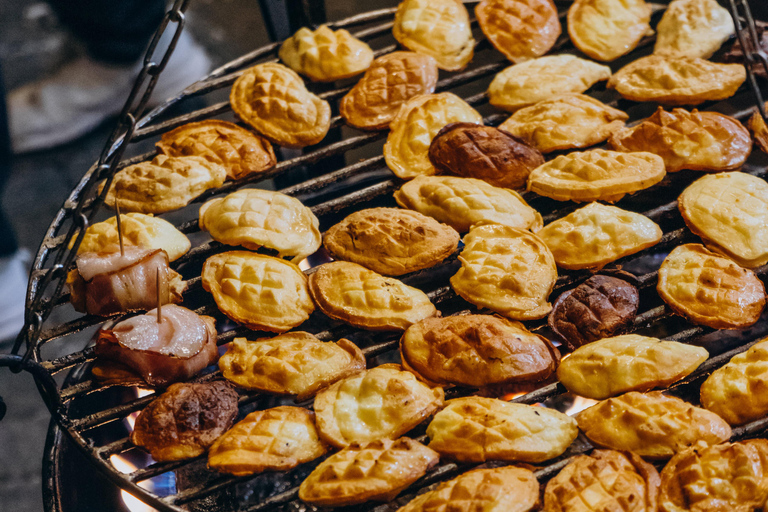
<point>14,275</point>
<point>84,93</point>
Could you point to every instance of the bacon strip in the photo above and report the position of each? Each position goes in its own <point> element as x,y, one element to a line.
<point>175,349</point>
<point>108,283</point>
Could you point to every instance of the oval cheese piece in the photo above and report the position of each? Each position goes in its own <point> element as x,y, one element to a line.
<point>677,80</point>
<point>734,391</point>
<point>164,184</point>
<point>710,289</point>
<point>596,175</point>
<point>465,202</point>
<point>353,294</point>
<point>294,363</point>
<point>539,79</point>
<point>438,28</point>
<point>273,100</point>
<point>276,439</point>
<point>258,291</point>
<point>607,29</point>
<point>613,366</point>
<point>391,241</point>
<point>693,28</point>
<point>566,121</point>
<point>476,429</point>
<point>652,425</point>
<point>701,141</point>
<point>507,270</point>
<point>326,55</point>
<point>240,151</point>
<point>729,211</point>
<point>505,489</point>
<point>597,234</point>
<point>476,350</point>
<point>378,471</point>
<point>257,218</point>
<point>520,29</point>
<point>380,403</point>
<point>391,80</point>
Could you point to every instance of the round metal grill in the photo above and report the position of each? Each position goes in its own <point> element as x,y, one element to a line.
<point>335,177</point>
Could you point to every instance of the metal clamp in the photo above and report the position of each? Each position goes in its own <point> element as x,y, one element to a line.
<point>750,44</point>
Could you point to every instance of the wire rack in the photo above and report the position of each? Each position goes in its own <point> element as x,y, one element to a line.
<point>342,179</point>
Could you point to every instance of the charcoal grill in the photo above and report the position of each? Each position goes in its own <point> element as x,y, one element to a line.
<point>57,341</point>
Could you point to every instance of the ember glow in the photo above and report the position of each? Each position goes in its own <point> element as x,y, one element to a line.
<point>579,404</point>
<point>131,502</point>
<point>123,465</point>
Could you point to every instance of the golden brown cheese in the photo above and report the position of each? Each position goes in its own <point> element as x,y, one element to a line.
<point>391,241</point>
<point>507,270</point>
<point>652,425</point>
<point>273,100</point>
<point>294,363</point>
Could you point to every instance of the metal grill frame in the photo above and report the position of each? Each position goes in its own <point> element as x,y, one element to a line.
<point>58,398</point>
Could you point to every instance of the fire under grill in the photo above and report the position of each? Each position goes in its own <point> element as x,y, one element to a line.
<point>334,178</point>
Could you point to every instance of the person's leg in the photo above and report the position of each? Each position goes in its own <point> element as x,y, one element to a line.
<point>13,262</point>
<point>88,91</point>
<point>116,32</point>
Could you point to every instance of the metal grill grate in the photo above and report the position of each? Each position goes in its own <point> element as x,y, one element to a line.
<point>332,195</point>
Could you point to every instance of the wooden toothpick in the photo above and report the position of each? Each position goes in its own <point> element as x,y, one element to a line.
<point>157,287</point>
<point>119,228</point>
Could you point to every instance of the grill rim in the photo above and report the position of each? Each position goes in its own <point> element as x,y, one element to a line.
<point>221,77</point>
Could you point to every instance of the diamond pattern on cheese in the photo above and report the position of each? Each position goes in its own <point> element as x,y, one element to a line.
<point>465,202</point>
<point>438,28</point>
<point>139,230</point>
<point>257,218</point>
<point>596,175</point>
<point>294,363</point>
<point>597,234</point>
<point>414,127</point>
<point>729,476</point>
<point>520,29</point>
<point>677,80</point>
<point>275,102</point>
<point>539,79</point>
<point>353,294</point>
<point>164,184</point>
<point>505,489</point>
<point>601,481</point>
<point>701,141</point>
<point>567,121</point>
<point>507,270</point>
<point>476,429</point>
<point>735,391</point>
<point>326,55</point>
<point>729,211</point>
<point>276,439</point>
<point>240,151</point>
<point>260,292</point>
<point>652,425</point>
<point>381,403</point>
<point>378,471</point>
<point>710,289</point>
